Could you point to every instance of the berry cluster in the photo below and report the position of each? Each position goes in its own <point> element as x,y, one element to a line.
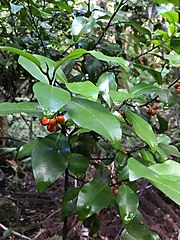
<point>177,87</point>
<point>52,122</point>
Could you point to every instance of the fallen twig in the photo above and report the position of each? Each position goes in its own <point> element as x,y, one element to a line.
<point>15,233</point>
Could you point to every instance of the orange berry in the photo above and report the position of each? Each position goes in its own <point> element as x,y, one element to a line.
<point>44,121</point>
<point>122,113</point>
<point>142,63</point>
<point>116,191</point>
<point>141,222</point>
<point>177,90</point>
<point>177,85</point>
<point>155,107</point>
<point>51,128</point>
<point>60,119</point>
<point>52,122</point>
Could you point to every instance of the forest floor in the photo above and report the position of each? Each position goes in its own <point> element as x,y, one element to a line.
<point>38,215</point>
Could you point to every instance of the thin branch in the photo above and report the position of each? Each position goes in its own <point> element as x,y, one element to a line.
<point>35,26</point>
<point>15,233</point>
<point>109,23</point>
<point>65,230</point>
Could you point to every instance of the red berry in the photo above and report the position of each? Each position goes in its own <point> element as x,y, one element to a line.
<point>177,90</point>
<point>52,122</point>
<point>122,113</point>
<point>60,119</point>
<point>155,107</point>
<point>44,121</point>
<point>51,128</point>
<point>177,85</point>
<point>142,63</point>
<point>116,191</point>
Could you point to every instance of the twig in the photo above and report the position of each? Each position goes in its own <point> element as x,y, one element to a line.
<point>15,233</point>
<point>109,23</point>
<point>36,27</point>
<point>66,218</point>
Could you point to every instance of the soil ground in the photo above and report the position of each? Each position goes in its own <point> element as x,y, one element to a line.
<point>37,215</point>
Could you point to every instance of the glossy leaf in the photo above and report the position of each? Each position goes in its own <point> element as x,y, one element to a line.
<point>176,2</point>
<point>103,57</point>
<point>49,160</point>
<point>51,98</point>
<point>93,197</point>
<point>82,25</point>
<point>69,201</point>
<point>163,124</point>
<point>138,228</point>
<point>147,156</point>
<point>138,27</point>
<point>33,69</point>
<point>175,44</point>
<point>143,129</point>
<point>170,150</point>
<point>128,203</point>
<point>173,58</point>
<point>87,89</point>
<point>31,108</point>
<point>143,88</point>
<point>105,83</point>
<point>172,17</point>
<point>22,53</point>
<point>60,75</point>
<point>78,164</point>
<point>155,74</point>
<point>168,182</point>
<point>119,96</point>
<point>94,116</point>
<point>26,149</point>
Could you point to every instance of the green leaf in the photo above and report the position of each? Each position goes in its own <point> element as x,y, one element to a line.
<point>169,149</point>
<point>168,182</point>
<point>155,74</point>
<point>169,170</point>
<point>22,53</point>
<point>118,97</point>
<point>26,149</point>
<point>69,201</point>
<point>82,25</point>
<point>94,116</point>
<point>138,228</point>
<point>49,160</point>
<point>173,58</point>
<point>143,129</point>
<point>93,197</point>
<point>51,98</point>
<point>77,53</point>
<point>33,69</point>
<point>172,17</point>
<point>176,2</point>
<point>102,57</point>
<point>128,203</point>
<point>148,157</point>
<point>60,76</point>
<point>78,164</point>
<point>105,83</point>
<point>87,89</point>
<point>31,108</point>
<point>15,8</point>
<point>175,44</point>
<point>163,124</point>
<point>138,27</point>
<point>143,88</point>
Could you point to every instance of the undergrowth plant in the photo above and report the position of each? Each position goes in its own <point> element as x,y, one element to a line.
<point>102,102</point>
